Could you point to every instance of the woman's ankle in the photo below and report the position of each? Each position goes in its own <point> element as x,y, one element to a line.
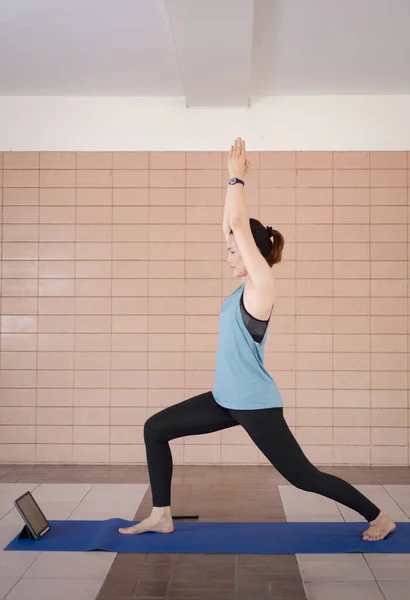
<point>378,516</point>
<point>162,511</point>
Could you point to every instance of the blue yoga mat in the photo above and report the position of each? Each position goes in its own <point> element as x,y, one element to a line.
<point>216,538</point>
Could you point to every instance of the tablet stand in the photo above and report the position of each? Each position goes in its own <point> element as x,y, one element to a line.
<point>183,517</point>
<point>26,534</point>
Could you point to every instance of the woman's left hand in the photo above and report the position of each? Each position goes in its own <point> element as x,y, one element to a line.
<point>238,164</point>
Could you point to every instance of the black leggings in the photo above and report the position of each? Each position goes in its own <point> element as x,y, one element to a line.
<point>266,427</point>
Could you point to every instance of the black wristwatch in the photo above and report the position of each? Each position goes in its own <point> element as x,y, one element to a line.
<point>234,180</point>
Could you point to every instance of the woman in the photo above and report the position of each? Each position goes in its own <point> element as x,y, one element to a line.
<point>244,393</point>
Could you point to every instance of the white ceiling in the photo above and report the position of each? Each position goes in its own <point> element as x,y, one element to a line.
<point>212,52</point>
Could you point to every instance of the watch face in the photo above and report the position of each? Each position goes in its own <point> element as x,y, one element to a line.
<point>232,180</point>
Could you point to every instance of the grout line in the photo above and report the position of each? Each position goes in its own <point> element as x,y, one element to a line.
<point>185,303</point>
<point>374,576</point>
<point>148,288</point>
<point>408,300</point>
<point>75,304</point>
<point>370,307</point>
<point>36,426</point>
<point>1,268</point>
<point>110,391</point>
<point>333,310</point>
<point>394,500</point>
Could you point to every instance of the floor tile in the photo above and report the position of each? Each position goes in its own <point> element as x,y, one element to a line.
<point>15,564</point>
<point>381,498</point>
<point>10,492</point>
<point>298,503</point>
<point>57,511</point>
<point>391,571</point>
<point>14,490</point>
<point>382,557</point>
<point>12,519</point>
<point>62,492</point>
<point>101,515</point>
<point>83,565</point>
<point>395,590</point>
<point>331,590</point>
<point>337,558</point>
<point>313,518</point>
<point>401,494</point>
<point>354,569</point>
<point>6,584</point>
<point>55,589</point>
<point>119,490</point>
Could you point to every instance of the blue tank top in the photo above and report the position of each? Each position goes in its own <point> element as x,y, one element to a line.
<point>241,381</point>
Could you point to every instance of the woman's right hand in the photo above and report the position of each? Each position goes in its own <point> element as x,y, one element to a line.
<point>238,164</point>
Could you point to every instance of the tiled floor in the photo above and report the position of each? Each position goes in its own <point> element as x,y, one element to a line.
<point>216,493</point>
<point>363,576</point>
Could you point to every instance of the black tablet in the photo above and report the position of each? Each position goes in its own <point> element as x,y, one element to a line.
<point>36,523</point>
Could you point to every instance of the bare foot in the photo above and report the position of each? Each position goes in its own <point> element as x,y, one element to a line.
<point>379,528</point>
<point>158,524</point>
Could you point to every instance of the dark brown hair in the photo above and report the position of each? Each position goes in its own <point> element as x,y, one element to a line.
<point>271,249</point>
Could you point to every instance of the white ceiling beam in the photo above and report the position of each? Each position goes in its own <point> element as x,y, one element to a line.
<point>213,43</point>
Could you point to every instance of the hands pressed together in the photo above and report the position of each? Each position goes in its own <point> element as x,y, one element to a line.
<point>238,164</point>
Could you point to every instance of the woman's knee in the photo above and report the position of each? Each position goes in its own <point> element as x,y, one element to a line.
<point>153,428</point>
<point>156,428</point>
<point>307,479</point>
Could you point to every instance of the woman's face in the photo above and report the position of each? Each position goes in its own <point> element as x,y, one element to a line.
<point>235,259</point>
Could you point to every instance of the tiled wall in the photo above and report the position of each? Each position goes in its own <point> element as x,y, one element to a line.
<point>113,273</point>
